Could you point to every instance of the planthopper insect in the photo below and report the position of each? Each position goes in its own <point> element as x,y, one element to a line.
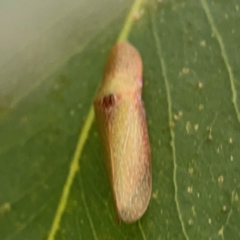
<point>121,118</point>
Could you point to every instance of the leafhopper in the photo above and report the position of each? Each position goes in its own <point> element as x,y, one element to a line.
<point>121,118</point>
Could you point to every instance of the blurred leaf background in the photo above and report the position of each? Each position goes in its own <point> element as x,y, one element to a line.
<point>51,61</point>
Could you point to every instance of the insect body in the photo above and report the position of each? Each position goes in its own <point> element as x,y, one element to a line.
<point>121,116</point>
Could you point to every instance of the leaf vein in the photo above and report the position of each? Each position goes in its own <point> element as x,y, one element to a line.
<point>29,221</point>
<point>142,231</point>
<point>74,167</point>
<point>221,231</point>
<point>224,55</point>
<point>170,118</point>
<point>88,214</point>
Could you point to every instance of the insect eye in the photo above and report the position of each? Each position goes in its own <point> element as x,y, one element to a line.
<point>108,101</point>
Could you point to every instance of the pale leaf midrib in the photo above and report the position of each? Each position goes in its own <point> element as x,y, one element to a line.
<point>74,164</point>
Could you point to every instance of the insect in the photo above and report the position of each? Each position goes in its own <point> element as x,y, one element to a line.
<point>122,122</point>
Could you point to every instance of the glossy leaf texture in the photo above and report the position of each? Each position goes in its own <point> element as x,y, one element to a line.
<point>190,51</point>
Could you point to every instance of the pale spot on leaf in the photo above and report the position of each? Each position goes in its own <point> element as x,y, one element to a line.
<point>185,70</point>
<point>5,208</point>
<point>188,127</point>
<point>203,43</point>
<point>220,179</point>
<point>200,107</point>
<point>194,211</point>
<point>200,85</point>
<point>72,113</point>
<point>190,189</point>
<point>190,222</point>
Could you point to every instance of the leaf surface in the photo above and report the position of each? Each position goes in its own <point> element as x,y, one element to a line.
<point>190,50</point>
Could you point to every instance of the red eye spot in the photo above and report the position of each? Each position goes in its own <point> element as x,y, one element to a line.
<point>108,101</point>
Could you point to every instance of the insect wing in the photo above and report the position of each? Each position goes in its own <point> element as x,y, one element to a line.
<point>124,133</point>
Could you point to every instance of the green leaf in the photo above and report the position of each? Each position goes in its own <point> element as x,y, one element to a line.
<point>190,51</point>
